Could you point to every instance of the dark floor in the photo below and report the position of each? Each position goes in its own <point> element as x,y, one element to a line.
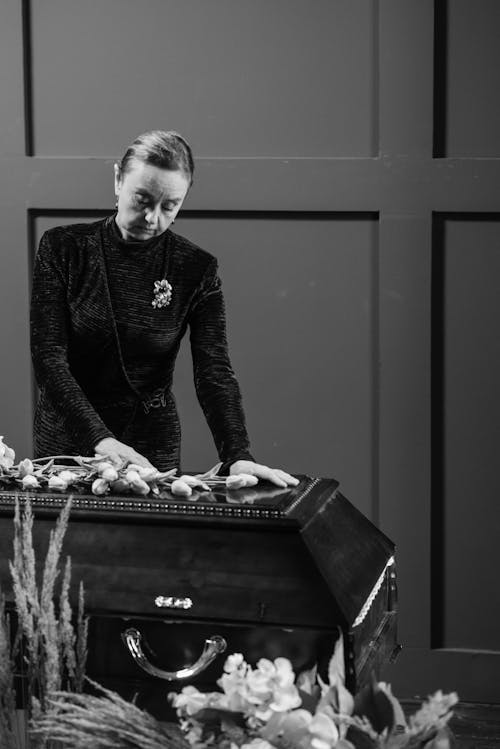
<point>474,726</point>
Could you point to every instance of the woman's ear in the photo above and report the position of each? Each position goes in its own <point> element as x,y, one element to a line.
<point>118,178</point>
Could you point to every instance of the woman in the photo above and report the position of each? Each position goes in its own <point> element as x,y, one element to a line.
<point>111,302</point>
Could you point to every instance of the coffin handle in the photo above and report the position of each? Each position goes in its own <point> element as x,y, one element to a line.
<point>213,647</point>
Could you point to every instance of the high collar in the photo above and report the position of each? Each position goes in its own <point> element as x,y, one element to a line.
<point>140,245</point>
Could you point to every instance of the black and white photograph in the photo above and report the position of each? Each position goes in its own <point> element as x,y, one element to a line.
<point>250,374</point>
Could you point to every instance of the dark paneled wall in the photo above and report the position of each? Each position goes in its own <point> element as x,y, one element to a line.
<point>347,181</point>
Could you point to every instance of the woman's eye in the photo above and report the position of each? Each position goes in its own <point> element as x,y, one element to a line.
<point>141,200</point>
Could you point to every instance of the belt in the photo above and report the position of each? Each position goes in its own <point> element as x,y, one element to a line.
<point>157,399</point>
<point>154,399</point>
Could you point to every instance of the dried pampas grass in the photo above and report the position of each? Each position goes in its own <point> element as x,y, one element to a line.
<point>8,722</point>
<point>83,721</point>
<point>50,647</point>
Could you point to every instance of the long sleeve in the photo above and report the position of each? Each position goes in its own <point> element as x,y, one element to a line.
<point>216,385</point>
<point>49,348</point>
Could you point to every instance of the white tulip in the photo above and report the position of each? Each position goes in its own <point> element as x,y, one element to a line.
<point>180,488</point>
<point>193,482</point>
<point>132,476</point>
<point>120,486</point>
<point>25,467</point>
<point>30,482</point>
<point>147,473</point>
<point>109,474</point>
<point>57,484</point>
<point>140,487</point>
<point>250,479</point>
<point>240,480</point>
<point>99,486</point>
<point>103,466</point>
<point>68,476</point>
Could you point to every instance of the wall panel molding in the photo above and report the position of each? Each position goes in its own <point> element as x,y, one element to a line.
<point>465,406</point>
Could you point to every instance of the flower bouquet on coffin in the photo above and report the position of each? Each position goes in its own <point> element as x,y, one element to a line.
<point>100,476</point>
<point>266,707</point>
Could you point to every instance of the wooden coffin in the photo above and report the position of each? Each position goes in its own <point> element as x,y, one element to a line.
<point>268,572</point>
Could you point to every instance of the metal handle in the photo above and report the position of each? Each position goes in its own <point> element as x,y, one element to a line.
<point>395,652</point>
<point>212,648</point>
<point>172,602</point>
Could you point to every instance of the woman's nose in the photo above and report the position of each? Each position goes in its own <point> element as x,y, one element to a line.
<point>152,215</point>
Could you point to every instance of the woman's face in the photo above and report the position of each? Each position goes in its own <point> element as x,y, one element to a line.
<point>149,199</point>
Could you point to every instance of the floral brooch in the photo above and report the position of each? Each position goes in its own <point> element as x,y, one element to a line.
<point>162,294</point>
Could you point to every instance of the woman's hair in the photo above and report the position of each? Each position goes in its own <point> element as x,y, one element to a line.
<point>163,148</point>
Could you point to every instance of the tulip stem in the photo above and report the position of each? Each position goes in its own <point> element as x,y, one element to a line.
<point>75,458</point>
<point>54,457</point>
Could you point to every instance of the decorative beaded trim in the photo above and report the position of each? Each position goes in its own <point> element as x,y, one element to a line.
<point>148,507</point>
<point>369,601</point>
<point>310,486</point>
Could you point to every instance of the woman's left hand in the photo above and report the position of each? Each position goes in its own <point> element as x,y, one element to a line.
<point>274,475</point>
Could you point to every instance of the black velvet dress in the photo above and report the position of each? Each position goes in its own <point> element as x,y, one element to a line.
<point>104,356</point>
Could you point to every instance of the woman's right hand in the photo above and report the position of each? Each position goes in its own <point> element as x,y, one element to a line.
<point>120,454</point>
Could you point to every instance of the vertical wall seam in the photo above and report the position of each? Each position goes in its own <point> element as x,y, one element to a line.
<point>438,276</point>
<point>440,82</point>
<point>375,358</point>
<point>27,78</point>
<point>375,148</point>
<point>31,250</point>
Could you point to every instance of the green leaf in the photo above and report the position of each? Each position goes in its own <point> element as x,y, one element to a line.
<point>360,739</point>
<point>310,701</point>
<point>336,666</point>
<point>440,741</point>
<point>372,703</point>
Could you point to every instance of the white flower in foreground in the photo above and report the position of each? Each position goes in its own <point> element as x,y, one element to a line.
<point>260,687</point>
<point>235,685</point>
<point>25,468</point>
<point>272,689</point>
<point>435,711</point>
<point>288,729</point>
<point>324,731</point>
<point>266,667</point>
<point>262,691</point>
<point>30,482</point>
<point>285,699</point>
<point>233,662</point>
<point>99,486</point>
<point>190,701</point>
<point>257,744</point>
